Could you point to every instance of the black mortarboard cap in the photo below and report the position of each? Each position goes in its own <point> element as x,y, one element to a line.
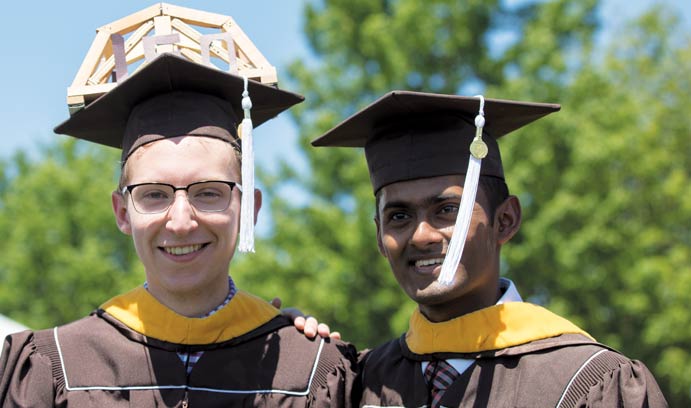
<point>172,96</point>
<point>409,135</point>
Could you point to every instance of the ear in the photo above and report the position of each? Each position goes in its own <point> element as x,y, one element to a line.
<point>122,218</point>
<point>507,219</point>
<point>257,203</point>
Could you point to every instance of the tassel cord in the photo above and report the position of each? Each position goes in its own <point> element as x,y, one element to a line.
<point>246,240</point>
<point>454,252</point>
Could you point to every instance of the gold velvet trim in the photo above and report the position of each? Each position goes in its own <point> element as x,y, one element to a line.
<point>141,312</point>
<point>492,328</point>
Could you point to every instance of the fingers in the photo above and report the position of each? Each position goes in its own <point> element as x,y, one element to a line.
<point>323,330</point>
<point>299,323</point>
<point>308,325</point>
<point>311,327</point>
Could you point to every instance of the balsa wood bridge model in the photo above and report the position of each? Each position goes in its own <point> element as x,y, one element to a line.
<point>123,46</point>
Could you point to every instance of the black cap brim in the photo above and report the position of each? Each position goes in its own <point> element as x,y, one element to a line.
<point>502,116</point>
<point>104,120</point>
<point>410,135</point>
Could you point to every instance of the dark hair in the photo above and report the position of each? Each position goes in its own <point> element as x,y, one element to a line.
<point>495,190</point>
<point>124,173</point>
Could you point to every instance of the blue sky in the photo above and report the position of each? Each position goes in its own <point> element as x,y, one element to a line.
<point>43,45</point>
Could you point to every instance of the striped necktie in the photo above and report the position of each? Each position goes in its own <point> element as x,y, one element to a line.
<point>439,375</point>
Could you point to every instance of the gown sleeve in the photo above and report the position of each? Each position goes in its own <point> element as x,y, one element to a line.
<point>337,390</point>
<point>26,378</point>
<point>631,385</point>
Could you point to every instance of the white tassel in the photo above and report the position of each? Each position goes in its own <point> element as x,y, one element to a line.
<point>478,150</point>
<point>460,232</point>
<point>246,243</point>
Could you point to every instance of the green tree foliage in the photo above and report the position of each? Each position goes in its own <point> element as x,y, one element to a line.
<point>62,252</point>
<point>604,183</point>
<point>607,200</point>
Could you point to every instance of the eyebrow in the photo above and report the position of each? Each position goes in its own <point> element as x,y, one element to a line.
<point>425,201</point>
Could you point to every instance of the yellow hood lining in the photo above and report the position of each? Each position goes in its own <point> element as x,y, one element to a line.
<point>141,312</point>
<point>493,328</point>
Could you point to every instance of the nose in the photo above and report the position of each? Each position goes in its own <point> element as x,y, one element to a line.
<point>426,234</point>
<point>181,215</point>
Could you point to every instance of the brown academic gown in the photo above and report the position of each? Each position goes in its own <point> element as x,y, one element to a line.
<point>100,362</point>
<point>534,374</point>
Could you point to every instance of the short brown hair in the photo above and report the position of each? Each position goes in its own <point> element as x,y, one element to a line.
<point>124,173</point>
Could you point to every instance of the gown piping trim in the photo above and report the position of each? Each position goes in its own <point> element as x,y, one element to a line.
<point>563,394</point>
<point>183,386</point>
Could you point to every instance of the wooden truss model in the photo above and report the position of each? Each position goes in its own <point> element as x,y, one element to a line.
<point>111,54</point>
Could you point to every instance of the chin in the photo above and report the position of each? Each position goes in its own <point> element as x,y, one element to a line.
<point>434,294</point>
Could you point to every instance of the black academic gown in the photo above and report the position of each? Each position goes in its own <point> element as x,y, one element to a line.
<point>117,357</point>
<point>532,368</point>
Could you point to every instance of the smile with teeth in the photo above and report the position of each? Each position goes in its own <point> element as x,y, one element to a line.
<point>183,250</point>
<point>428,262</point>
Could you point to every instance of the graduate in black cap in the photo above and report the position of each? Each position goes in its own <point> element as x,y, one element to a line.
<point>188,336</point>
<point>443,213</point>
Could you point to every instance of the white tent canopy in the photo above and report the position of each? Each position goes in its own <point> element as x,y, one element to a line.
<point>8,326</point>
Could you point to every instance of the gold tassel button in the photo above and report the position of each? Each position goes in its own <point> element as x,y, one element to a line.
<point>478,148</point>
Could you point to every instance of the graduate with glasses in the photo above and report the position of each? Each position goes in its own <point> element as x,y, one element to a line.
<point>188,336</point>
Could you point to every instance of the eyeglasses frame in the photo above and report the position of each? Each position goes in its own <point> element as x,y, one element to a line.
<point>130,187</point>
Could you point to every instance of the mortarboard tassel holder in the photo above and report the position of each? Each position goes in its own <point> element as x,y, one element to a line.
<point>246,243</point>
<point>478,150</point>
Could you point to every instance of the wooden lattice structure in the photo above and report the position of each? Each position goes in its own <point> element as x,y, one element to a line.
<point>128,43</point>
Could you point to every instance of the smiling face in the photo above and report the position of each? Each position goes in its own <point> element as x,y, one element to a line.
<point>186,253</point>
<point>415,221</point>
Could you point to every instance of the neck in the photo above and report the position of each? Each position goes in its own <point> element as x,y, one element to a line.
<point>467,303</point>
<point>191,304</point>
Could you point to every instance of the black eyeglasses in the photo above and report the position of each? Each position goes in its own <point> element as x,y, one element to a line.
<point>206,196</point>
